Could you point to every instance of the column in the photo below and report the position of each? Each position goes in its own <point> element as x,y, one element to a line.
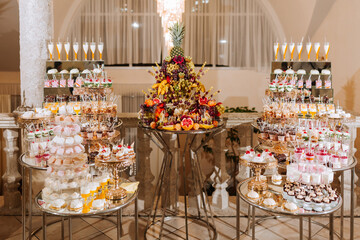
<point>220,197</point>
<point>11,178</point>
<point>174,180</point>
<point>144,175</point>
<point>35,31</point>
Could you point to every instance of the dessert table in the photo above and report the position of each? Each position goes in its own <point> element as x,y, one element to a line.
<point>241,192</point>
<point>163,183</point>
<point>110,207</point>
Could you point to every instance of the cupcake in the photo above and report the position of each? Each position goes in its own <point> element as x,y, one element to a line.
<point>253,196</point>
<point>269,202</point>
<point>327,203</point>
<point>299,199</point>
<point>291,207</point>
<point>318,204</point>
<point>308,205</point>
<point>333,198</point>
<point>291,196</point>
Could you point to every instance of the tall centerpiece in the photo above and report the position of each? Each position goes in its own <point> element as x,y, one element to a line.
<point>178,100</point>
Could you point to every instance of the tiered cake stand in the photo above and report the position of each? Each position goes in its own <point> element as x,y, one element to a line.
<point>163,184</point>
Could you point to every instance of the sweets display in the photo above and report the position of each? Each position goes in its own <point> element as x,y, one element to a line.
<point>317,197</point>
<point>117,160</point>
<point>68,169</point>
<point>38,139</point>
<point>178,100</point>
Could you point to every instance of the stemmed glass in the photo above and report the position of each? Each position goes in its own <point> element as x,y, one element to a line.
<point>85,194</point>
<point>292,48</point>
<point>51,49</point>
<point>299,47</point>
<point>100,48</point>
<point>317,50</point>
<point>284,49</point>
<point>308,49</point>
<point>276,50</point>
<point>86,49</point>
<point>93,49</point>
<point>76,50</point>
<point>326,49</point>
<point>67,49</point>
<point>59,48</point>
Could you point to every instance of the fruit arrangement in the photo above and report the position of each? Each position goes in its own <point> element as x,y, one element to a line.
<point>178,100</point>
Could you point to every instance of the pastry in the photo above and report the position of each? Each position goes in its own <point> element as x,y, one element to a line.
<point>98,204</point>
<point>253,196</point>
<point>76,205</point>
<point>269,202</point>
<point>58,204</point>
<point>291,207</point>
<point>276,179</point>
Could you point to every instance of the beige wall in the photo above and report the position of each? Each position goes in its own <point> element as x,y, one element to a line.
<point>240,87</point>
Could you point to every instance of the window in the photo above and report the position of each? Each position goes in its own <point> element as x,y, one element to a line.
<point>232,33</point>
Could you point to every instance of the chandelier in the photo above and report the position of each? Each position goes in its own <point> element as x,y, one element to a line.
<point>170,12</point>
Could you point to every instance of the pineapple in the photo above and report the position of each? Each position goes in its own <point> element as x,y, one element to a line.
<point>177,32</point>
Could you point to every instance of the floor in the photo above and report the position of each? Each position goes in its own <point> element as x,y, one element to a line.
<point>174,228</point>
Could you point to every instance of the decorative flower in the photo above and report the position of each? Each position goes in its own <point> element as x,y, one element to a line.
<point>168,59</point>
<point>188,59</point>
<point>181,75</point>
<point>212,103</point>
<point>203,100</point>
<point>178,59</point>
<point>168,79</point>
<point>156,100</point>
<point>149,102</point>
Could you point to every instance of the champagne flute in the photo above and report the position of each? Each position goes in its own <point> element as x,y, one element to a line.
<point>76,50</point>
<point>100,48</point>
<point>59,48</point>
<point>93,49</point>
<point>299,47</point>
<point>317,50</point>
<point>67,49</point>
<point>76,108</point>
<point>51,49</point>
<point>292,48</point>
<point>326,49</point>
<point>308,49</point>
<point>276,50</point>
<point>284,47</point>
<point>86,49</point>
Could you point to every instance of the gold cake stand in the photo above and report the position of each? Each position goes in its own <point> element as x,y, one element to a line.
<point>258,183</point>
<point>116,166</point>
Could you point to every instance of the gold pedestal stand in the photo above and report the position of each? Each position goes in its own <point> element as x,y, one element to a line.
<point>258,184</point>
<point>116,166</point>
